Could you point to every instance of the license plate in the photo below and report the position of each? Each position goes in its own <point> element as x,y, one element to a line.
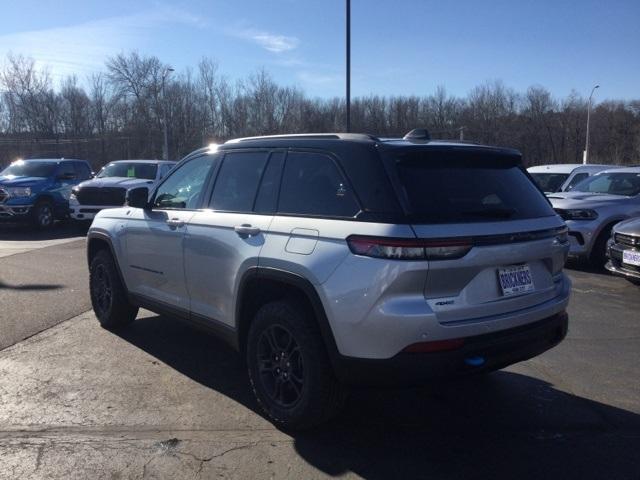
<point>515,280</point>
<point>631,257</point>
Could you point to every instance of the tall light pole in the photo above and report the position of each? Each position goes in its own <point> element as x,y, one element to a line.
<point>348,100</point>
<point>165,146</point>
<point>585,159</point>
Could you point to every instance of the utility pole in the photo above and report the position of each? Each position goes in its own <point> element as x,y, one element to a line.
<point>461,129</point>
<point>165,146</point>
<point>348,100</point>
<point>585,159</point>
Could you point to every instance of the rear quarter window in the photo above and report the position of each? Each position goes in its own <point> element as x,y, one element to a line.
<point>438,189</point>
<point>313,185</point>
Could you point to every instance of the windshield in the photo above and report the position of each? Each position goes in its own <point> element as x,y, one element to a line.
<point>619,183</point>
<point>129,169</point>
<point>550,182</point>
<point>472,190</point>
<point>29,169</point>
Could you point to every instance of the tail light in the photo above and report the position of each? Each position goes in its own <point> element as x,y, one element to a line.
<point>409,248</point>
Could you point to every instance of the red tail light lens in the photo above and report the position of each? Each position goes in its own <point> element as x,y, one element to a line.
<point>409,248</point>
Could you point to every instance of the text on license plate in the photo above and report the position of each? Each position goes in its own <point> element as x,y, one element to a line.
<point>515,279</point>
<point>631,257</point>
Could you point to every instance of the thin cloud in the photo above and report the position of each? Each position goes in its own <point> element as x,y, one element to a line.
<point>272,42</point>
<point>83,48</point>
<point>319,78</point>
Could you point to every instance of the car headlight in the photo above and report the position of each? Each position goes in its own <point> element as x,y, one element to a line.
<point>579,214</point>
<point>19,191</point>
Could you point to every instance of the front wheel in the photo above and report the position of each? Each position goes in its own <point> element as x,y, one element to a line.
<point>108,294</point>
<point>42,215</point>
<point>289,368</point>
<point>598,257</point>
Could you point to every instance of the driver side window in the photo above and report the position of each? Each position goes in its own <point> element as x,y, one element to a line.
<point>183,188</point>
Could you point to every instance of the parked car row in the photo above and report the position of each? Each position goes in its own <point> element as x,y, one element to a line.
<point>41,191</point>
<point>592,208</point>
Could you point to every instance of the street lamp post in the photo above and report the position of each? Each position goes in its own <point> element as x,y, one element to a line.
<point>585,159</point>
<point>165,146</point>
<point>348,99</point>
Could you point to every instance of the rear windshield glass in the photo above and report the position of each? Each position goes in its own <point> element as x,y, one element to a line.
<point>550,182</point>
<point>30,169</point>
<point>129,169</point>
<point>443,190</point>
<point>627,184</point>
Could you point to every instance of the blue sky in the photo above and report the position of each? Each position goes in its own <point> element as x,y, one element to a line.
<point>398,47</point>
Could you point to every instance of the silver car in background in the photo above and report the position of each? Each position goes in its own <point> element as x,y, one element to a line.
<point>623,250</point>
<point>594,206</point>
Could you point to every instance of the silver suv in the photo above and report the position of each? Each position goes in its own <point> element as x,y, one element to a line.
<point>594,206</point>
<point>339,259</point>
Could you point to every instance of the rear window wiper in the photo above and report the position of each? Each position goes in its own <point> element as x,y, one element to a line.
<point>491,212</point>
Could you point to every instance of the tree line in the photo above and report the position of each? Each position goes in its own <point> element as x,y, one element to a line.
<point>120,114</point>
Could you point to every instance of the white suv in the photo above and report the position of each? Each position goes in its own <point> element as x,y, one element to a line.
<point>332,260</point>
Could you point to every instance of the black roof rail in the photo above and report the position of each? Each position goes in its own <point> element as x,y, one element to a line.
<point>309,136</point>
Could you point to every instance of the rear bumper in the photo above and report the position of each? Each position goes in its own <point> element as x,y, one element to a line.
<point>496,350</point>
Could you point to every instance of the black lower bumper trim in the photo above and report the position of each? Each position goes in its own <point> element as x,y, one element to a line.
<point>497,350</point>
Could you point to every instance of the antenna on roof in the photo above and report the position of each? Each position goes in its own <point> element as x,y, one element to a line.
<point>418,134</point>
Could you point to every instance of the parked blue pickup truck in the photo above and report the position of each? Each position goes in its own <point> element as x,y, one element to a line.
<point>37,190</point>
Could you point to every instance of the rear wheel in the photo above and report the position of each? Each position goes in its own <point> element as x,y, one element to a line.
<point>289,369</point>
<point>42,215</point>
<point>108,294</point>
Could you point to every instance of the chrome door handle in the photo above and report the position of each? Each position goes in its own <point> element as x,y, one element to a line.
<point>246,230</point>
<point>175,223</point>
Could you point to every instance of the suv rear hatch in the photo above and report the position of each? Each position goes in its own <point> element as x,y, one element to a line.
<point>493,242</point>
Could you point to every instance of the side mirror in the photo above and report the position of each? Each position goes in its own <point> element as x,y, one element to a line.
<point>138,197</point>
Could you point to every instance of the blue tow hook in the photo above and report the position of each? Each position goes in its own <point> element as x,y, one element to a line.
<point>475,361</point>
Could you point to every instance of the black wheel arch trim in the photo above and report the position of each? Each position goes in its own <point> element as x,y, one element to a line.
<point>103,237</point>
<point>297,281</point>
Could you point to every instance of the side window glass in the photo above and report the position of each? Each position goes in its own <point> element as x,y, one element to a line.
<point>267,199</point>
<point>577,178</point>
<point>183,187</point>
<point>313,185</point>
<point>66,171</point>
<point>82,171</point>
<point>237,182</point>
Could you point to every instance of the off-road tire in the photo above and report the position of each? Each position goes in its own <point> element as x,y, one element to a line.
<point>108,294</point>
<point>321,395</point>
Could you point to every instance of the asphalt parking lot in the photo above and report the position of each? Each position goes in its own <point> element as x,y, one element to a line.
<point>162,400</point>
